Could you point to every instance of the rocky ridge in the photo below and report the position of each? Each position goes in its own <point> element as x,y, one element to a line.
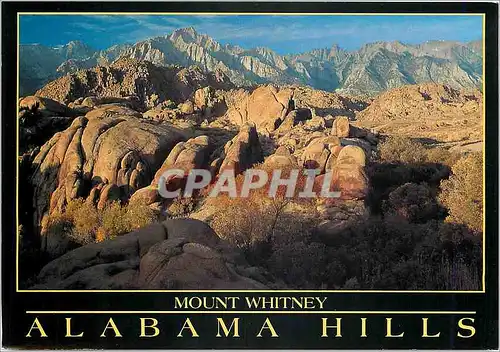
<point>143,80</point>
<point>374,68</point>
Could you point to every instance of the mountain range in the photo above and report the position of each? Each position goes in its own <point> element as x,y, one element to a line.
<point>374,68</point>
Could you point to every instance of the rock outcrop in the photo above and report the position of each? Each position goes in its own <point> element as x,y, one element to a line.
<point>128,77</point>
<point>432,111</point>
<point>39,119</point>
<point>318,152</point>
<point>242,151</point>
<point>266,106</point>
<point>341,127</point>
<point>349,175</point>
<point>97,156</point>
<point>175,254</point>
<point>186,156</point>
<point>44,107</point>
<point>281,159</point>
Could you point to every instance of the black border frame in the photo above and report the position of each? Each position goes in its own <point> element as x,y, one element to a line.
<point>16,322</point>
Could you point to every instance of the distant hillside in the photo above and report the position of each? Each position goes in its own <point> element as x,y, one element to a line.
<point>432,112</point>
<point>374,68</point>
<point>128,77</point>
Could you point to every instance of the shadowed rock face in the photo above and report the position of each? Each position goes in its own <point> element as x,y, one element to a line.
<point>40,118</point>
<point>242,151</point>
<point>44,107</point>
<point>175,254</point>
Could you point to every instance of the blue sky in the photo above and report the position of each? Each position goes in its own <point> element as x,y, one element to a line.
<point>283,34</point>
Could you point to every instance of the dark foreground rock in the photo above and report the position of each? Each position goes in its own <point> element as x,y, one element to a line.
<point>174,254</point>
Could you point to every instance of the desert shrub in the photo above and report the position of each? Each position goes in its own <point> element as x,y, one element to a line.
<point>114,220</point>
<point>414,202</point>
<point>242,222</point>
<point>62,226</point>
<point>403,160</point>
<point>450,259</point>
<point>140,215</point>
<point>462,193</point>
<point>181,206</point>
<point>442,156</point>
<point>391,253</point>
<point>402,149</point>
<point>301,261</point>
<point>351,284</point>
<point>85,220</point>
<point>83,223</point>
<point>457,275</point>
<point>117,220</point>
<point>399,149</point>
<point>247,221</point>
<point>301,264</point>
<point>387,177</point>
<point>78,223</point>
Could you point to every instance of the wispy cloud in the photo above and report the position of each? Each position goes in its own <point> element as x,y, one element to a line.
<point>284,34</point>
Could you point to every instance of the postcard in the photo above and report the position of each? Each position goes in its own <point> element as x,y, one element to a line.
<point>250,175</point>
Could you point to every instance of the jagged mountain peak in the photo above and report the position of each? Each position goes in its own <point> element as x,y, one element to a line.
<point>76,43</point>
<point>186,30</point>
<point>373,68</point>
<point>335,48</point>
<point>187,34</point>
